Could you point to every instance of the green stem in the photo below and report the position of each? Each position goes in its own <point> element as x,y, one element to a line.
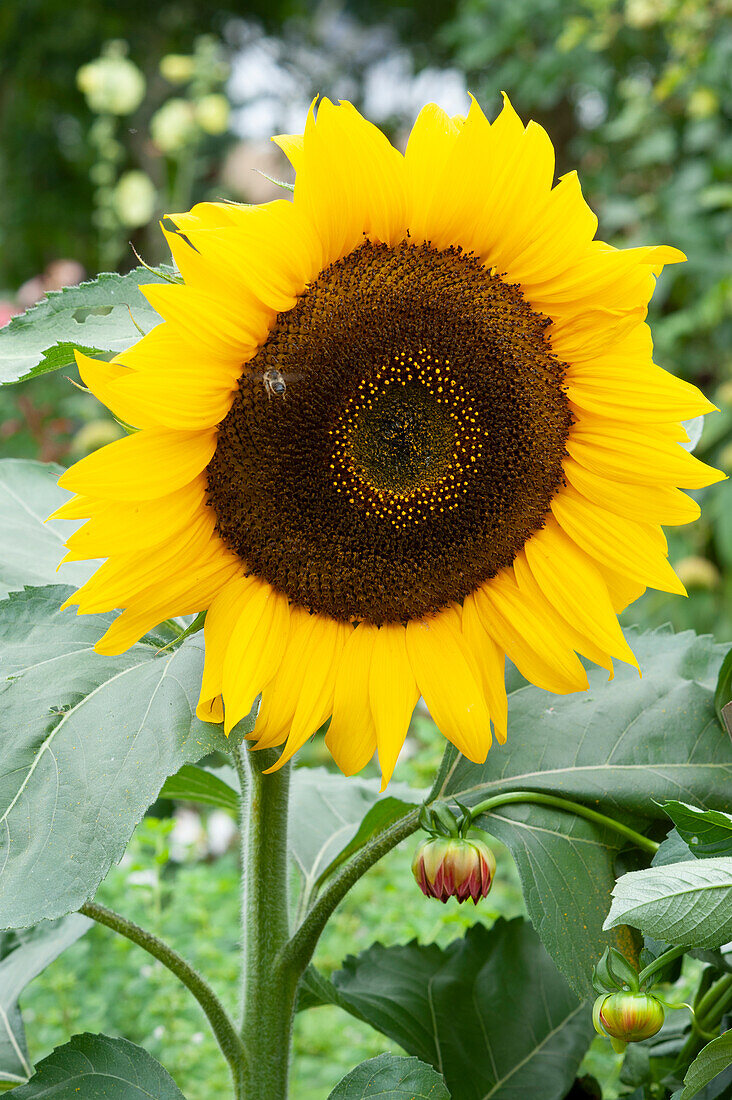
<point>565,804</point>
<point>659,963</point>
<point>268,987</point>
<point>708,1013</point>
<point>299,950</point>
<point>221,1025</point>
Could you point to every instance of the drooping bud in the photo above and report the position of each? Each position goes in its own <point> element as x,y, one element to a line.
<point>627,1017</point>
<point>451,867</point>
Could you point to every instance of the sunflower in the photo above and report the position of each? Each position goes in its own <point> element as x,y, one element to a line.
<point>389,432</point>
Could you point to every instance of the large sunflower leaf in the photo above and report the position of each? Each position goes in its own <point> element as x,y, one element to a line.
<point>86,743</point>
<point>97,1067</point>
<point>391,1078</point>
<point>96,317</point>
<point>615,748</point>
<point>686,903</point>
<point>30,548</point>
<point>23,955</point>
<point>491,1012</point>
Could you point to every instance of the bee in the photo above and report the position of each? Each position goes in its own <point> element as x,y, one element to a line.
<point>274,384</point>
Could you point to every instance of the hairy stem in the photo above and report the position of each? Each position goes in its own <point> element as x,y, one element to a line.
<point>571,807</point>
<point>299,950</point>
<point>221,1024</point>
<point>268,988</point>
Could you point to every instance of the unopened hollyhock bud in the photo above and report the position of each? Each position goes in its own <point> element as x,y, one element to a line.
<point>627,1017</point>
<point>450,867</point>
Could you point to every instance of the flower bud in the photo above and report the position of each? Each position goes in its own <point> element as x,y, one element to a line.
<point>450,867</point>
<point>627,1017</point>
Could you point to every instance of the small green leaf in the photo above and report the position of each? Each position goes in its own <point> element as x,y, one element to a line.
<point>192,784</point>
<point>97,1067</point>
<point>391,1078</point>
<point>711,1061</point>
<point>23,955</point>
<point>706,832</point>
<point>96,317</point>
<point>672,850</point>
<point>689,904</point>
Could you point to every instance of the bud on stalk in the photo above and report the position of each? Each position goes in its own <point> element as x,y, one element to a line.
<point>451,867</point>
<point>627,1017</point>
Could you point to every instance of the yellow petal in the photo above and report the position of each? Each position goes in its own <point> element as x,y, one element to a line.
<point>430,142</point>
<point>646,503</point>
<point>446,681</point>
<point>393,695</point>
<point>527,637</point>
<point>490,660</point>
<point>123,528</point>
<point>149,464</point>
<point>224,323</point>
<point>641,458</point>
<point>220,619</point>
<point>603,386</point>
<point>351,736</point>
<point>255,650</point>
<point>625,545</point>
<point>315,700</point>
<point>292,146</point>
<point>571,583</point>
<point>280,696</point>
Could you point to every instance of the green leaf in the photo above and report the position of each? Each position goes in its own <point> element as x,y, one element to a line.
<point>391,1078</point>
<point>615,748</point>
<point>86,743</point>
<point>490,1011</point>
<point>192,784</point>
<point>331,813</point>
<point>712,1060</point>
<point>31,549</point>
<point>672,850</point>
<point>683,903</point>
<point>95,317</point>
<point>23,955</point>
<point>723,691</point>
<point>706,832</point>
<point>97,1067</point>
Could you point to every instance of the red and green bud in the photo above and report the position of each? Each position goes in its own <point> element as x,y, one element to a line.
<point>451,867</point>
<point>627,1017</point>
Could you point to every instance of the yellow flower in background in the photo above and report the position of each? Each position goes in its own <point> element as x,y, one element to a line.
<point>391,431</point>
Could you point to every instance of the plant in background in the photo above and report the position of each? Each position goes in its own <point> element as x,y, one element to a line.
<point>387,434</point>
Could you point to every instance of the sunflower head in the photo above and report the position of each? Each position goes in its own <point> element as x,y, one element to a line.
<point>389,432</point>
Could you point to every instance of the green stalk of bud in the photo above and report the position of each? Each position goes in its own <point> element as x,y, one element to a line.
<point>452,867</point>
<point>627,1017</point>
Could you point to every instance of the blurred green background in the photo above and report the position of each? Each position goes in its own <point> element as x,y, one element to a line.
<point>112,114</point>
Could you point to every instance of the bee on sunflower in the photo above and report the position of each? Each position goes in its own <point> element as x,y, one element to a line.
<point>469,452</point>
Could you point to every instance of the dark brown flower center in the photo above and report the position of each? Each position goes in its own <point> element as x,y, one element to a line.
<point>415,446</point>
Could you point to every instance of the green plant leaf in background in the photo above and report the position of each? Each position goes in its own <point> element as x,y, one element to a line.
<point>23,955</point>
<point>686,903</point>
<point>86,743</point>
<point>391,1078</point>
<point>711,1061</point>
<point>614,748</point>
<point>706,832</point>
<point>97,317</point>
<point>672,850</point>
<point>723,692</point>
<point>192,784</point>
<point>490,1012</point>
<point>31,549</point>
<point>97,1067</point>
<point>330,814</point>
